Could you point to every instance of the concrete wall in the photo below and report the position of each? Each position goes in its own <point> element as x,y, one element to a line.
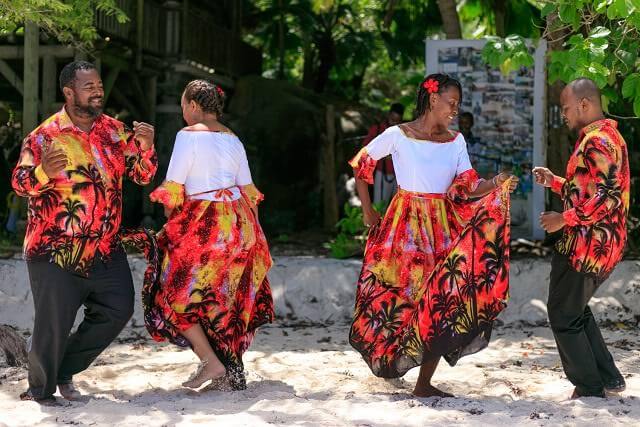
<point>319,290</point>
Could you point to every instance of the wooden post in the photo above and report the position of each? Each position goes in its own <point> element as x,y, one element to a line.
<point>31,77</point>
<point>48,84</point>
<point>330,199</point>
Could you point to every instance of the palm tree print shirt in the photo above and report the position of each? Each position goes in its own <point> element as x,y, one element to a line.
<point>596,200</point>
<point>76,215</point>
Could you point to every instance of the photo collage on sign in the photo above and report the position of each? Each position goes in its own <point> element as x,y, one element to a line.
<point>501,138</point>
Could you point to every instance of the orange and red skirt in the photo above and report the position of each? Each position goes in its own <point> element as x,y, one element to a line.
<point>434,278</point>
<point>209,268</point>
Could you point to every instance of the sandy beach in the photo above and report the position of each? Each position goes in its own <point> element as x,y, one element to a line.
<point>310,376</point>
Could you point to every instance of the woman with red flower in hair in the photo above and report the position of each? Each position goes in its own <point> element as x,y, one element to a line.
<point>212,291</point>
<point>436,267</point>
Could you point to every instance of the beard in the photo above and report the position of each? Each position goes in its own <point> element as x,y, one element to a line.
<point>87,110</point>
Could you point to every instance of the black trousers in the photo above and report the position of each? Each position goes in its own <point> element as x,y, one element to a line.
<point>583,352</point>
<point>108,297</point>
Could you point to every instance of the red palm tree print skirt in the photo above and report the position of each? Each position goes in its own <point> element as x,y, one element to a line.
<point>434,278</point>
<point>209,267</point>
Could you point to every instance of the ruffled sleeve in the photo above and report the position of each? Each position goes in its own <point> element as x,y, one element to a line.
<point>363,166</point>
<point>252,194</point>
<point>364,163</point>
<point>463,185</point>
<point>170,194</point>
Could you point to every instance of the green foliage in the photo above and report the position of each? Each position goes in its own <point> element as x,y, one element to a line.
<point>478,18</point>
<point>371,50</point>
<point>67,20</point>
<point>352,233</point>
<point>508,54</point>
<point>602,42</point>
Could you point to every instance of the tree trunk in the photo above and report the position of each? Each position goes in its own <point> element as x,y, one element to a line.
<point>330,217</point>
<point>13,346</point>
<point>327,56</point>
<point>450,19</point>
<point>388,17</point>
<point>308,67</point>
<point>281,41</point>
<point>31,79</point>
<point>559,139</point>
<point>499,17</point>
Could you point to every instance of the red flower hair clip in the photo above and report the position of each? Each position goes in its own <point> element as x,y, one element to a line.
<point>431,86</point>
<point>220,91</point>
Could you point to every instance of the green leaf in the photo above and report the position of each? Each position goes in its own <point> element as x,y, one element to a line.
<point>627,58</point>
<point>636,106</point>
<point>630,85</point>
<point>619,9</point>
<point>575,39</point>
<point>568,14</point>
<point>599,32</point>
<point>601,6</point>
<point>547,9</point>
<point>599,69</point>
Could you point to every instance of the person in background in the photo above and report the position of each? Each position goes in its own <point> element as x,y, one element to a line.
<point>385,185</point>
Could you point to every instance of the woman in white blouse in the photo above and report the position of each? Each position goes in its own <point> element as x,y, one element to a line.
<point>435,271</point>
<point>213,290</point>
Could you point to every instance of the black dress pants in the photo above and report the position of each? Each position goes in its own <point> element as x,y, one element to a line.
<point>583,352</point>
<point>108,297</point>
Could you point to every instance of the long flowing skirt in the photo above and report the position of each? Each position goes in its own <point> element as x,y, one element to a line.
<point>434,278</point>
<point>209,268</point>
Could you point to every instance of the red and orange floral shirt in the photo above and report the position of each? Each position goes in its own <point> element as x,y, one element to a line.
<point>596,200</point>
<point>75,216</point>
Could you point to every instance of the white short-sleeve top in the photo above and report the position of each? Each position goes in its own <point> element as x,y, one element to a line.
<point>205,160</point>
<point>420,165</point>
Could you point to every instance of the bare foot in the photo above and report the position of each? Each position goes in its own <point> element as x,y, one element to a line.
<point>430,391</point>
<point>69,392</point>
<point>206,371</point>
<point>575,395</point>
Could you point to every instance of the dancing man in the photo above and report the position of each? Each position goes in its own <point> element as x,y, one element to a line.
<point>71,169</point>
<point>595,192</point>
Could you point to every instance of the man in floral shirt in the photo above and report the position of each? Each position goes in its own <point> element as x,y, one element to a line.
<point>71,169</point>
<point>595,192</point>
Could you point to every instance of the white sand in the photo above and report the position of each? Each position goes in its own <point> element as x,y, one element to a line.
<point>310,376</point>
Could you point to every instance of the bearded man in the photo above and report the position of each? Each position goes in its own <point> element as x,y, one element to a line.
<point>71,169</point>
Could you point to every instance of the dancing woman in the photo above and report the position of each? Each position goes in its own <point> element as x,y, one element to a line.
<point>436,267</point>
<point>212,292</point>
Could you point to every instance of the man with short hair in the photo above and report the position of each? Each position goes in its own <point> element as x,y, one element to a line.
<point>595,192</point>
<point>384,178</point>
<point>71,169</point>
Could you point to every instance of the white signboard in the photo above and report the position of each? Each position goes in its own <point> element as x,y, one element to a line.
<point>508,113</point>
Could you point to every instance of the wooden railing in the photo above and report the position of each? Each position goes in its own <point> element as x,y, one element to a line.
<point>191,36</point>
